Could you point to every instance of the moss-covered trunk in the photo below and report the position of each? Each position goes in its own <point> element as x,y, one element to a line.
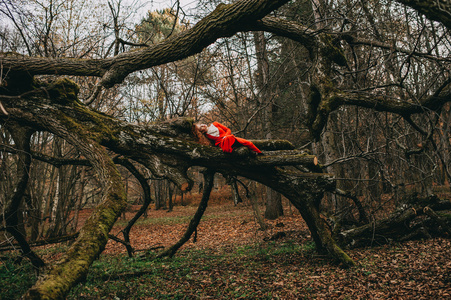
<point>56,282</point>
<point>64,120</point>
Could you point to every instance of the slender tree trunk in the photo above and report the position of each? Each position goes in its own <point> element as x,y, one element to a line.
<point>235,192</point>
<point>255,208</point>
<point>170,195</point>
<point>146,202</point>
<point>274,208</point>
<point>79,200</point>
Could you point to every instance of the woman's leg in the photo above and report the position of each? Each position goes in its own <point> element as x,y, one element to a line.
<point>247,144</point>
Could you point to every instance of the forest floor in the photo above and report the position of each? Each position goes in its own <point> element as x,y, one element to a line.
<point>233,259</point>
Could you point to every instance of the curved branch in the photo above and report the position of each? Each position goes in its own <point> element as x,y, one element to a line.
<point>363,218</point>
<point>208,185</point>
<point>224,21</point>
<point>147,199</point>
<point>438,10</point>
<point>288,29</point>
<point>384,104</point>
<point>331,102</point>
<point>54,161</point>
<point>21,136</point>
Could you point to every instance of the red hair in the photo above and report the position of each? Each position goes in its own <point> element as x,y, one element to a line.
<point>200,137</point>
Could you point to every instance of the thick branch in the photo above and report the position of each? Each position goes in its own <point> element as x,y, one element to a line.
<point>53,66</point>
<point>289,29</point>
<point>384,104</point>
<point>273,145</point>
<point>325,104</point>
<point>224,21</point>
<point>286,158</point>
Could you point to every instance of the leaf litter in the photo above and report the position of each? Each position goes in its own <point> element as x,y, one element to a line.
<point>233,259</point>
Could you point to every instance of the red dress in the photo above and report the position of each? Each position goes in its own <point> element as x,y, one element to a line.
<point>223,138</point>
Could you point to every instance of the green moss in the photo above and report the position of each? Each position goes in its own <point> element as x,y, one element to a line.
<point>332,52</point>
<point>85,122</point>
<point>64,91</point>
<point>92,240</point>
<point>331,104</point>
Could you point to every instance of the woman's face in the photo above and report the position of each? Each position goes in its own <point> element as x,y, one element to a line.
<point>202,128</point>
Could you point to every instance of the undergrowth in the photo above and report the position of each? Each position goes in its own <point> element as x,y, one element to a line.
<point>16,277</point>
<point>283,269</point>
<point>190,274</point>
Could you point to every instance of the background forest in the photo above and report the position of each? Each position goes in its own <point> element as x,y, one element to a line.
<point>363,86</point>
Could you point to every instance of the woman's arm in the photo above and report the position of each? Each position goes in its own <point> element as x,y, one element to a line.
<point>226,129</point>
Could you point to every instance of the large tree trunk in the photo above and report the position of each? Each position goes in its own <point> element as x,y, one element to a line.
<point>274,208</point>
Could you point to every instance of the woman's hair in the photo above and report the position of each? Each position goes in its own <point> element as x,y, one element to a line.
<point>200,137</point>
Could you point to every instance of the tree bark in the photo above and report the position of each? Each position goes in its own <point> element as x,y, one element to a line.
<point>274,207</point>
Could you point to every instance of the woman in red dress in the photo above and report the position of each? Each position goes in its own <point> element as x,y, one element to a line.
<point>223,137</point>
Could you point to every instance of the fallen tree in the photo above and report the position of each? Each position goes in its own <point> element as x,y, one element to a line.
<point>169,149</point>
<point>416,218</point>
